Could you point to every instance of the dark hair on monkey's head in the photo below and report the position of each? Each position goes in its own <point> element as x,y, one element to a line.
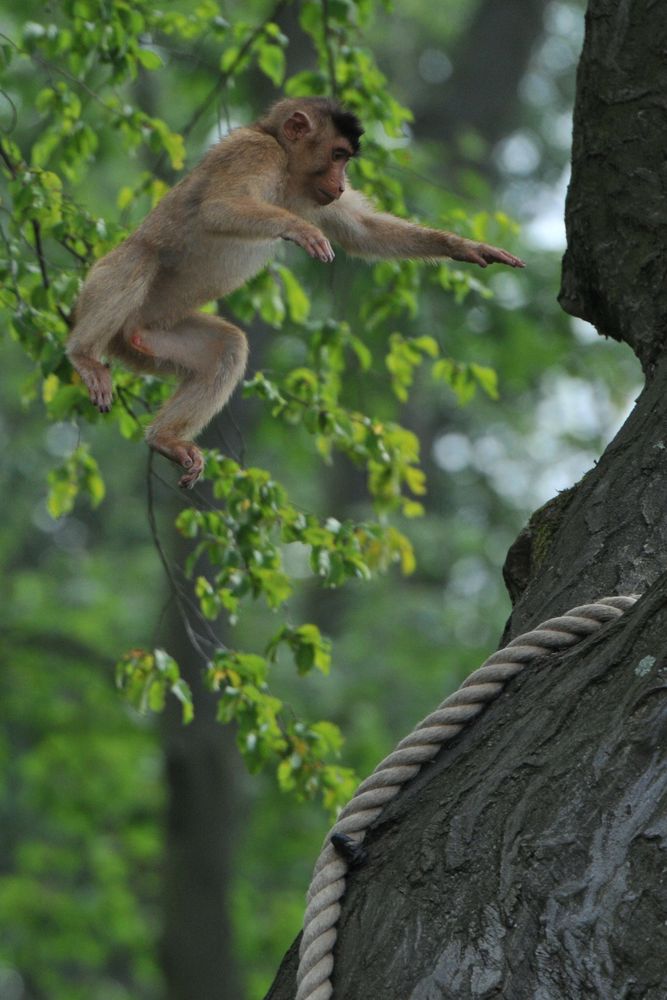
<point>344,121</point>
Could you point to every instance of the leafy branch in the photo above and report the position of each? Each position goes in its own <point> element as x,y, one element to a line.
<point>88,55</point>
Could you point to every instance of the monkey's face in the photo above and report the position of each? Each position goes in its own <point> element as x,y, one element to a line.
<point>326,179</point>
<point>318,158</point>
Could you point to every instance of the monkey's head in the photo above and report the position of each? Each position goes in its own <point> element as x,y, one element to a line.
<point>320,136</point>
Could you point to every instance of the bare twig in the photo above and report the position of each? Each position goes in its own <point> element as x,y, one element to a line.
<point>4,155</point>
<point>185,605</point>
<point>39,251</point>
<point>15,114</point>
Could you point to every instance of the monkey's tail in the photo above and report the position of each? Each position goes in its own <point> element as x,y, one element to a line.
<point>113,293</point>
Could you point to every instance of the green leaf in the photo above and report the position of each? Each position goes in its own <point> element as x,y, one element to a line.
<point>271,61</point>
<point>149,59</point>
<point>156,696</point>
<point>79,472</point>
<point>228,58</point>
<point>145,678</point>
<point>487,379</point>
<point>404,357</point>
<point>298,303</point>
<point>309,647</point>
<point>427,345</point>
<point>329,736</point>
<point>311,18</point>
<point>362,352</point>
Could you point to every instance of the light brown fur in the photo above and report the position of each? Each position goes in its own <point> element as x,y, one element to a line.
<point>282,178</point>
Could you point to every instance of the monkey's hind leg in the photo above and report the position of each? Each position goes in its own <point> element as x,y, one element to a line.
<point>84,353</point>
<point>210,355</point>
<point>114,290</point>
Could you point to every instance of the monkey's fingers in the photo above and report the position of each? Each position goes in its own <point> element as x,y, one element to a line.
<point>494,255</point>
<point>314,242</point>
<point>320,249</point>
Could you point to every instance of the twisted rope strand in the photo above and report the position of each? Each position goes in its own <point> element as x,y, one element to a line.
<point>404,763</point>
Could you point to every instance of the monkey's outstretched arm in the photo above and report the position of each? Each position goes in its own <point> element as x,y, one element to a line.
<point>362,231</point>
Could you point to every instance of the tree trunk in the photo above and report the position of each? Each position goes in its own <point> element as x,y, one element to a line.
<point>198,956</point>
<point>201,765</point>
<point>481,94</point>
<point>529,860</point>
<point>614,269</point>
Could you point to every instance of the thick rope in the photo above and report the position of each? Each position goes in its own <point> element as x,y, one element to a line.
<point>405,762</point>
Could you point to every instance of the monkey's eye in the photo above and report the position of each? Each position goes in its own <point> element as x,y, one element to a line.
<point>340,154</point>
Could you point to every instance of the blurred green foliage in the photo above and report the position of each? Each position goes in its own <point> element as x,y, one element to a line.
<point>93,49</point>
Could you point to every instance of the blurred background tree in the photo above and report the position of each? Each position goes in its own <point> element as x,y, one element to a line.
<point>138,857</point>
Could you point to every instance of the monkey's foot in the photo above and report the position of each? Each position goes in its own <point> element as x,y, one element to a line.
<point>97,380</point>
<point>193,461</point>
<point>185,454</point>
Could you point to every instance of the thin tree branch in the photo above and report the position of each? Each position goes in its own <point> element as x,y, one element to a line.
<point>329,48</point>
<point>15,114</point>
<point>46,282</point>
<point>39,250</point>
<point>7,161</point>
<point>225,76</point>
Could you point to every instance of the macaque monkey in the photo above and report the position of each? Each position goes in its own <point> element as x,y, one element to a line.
<point>282,178</point>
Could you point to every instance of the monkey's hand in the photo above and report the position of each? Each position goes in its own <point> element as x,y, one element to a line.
<point>483,254</point>
<point>312,240</point>
<point>97,380</point>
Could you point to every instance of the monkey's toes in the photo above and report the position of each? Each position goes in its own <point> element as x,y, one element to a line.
<point>190,457</point>
<point>101,394</point>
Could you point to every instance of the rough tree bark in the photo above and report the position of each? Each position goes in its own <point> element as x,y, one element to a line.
<point>530,860</point>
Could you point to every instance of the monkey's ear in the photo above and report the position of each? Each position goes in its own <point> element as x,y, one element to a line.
<point>297,125</point>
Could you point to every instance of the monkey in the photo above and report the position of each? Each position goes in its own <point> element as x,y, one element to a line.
<point>281,178</point>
